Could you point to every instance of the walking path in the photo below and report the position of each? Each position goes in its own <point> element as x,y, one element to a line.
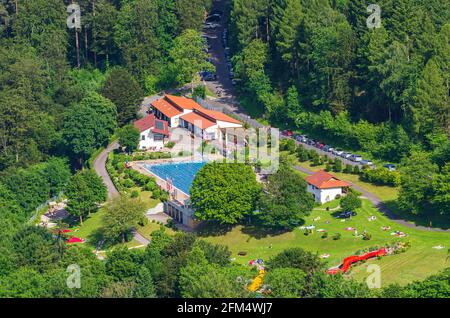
<point>100,169</point>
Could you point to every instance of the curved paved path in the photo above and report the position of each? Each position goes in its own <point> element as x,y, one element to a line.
<point>100,169</point>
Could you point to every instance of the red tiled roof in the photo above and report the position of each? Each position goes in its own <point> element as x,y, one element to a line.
<point>145,123</point>
<point>198,120</point>
<point>219,116</point>
<point>150,122</point>
<point>182,102</point>
<point>164,107</point>
<point>323,180</point>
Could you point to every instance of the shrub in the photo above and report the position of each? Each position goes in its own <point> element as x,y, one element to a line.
<point>325,235</point>
<point>328,168</point>
<point>170,144</point>
<point>351,202</point>
<point>156,194</point>
<point>356,169</point>
<point>150,186</point>
<point>134,193</point>
<point>367,237</point>
<point>337,165</point>
<point>381,176</point>
<point>127,183</point>
<point>316,161</point>
<point>288,145</point>
<point>348,168</point>
<point>337,236</point>
<point>302,154</point>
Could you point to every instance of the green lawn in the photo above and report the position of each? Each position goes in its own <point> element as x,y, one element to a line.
<point>91,228</point>
<point>420,261</point>
<point>151,227</point>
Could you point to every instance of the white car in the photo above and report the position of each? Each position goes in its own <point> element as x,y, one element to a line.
<point>366,163</point>
<point>346,155</point>
<point>338,152</point>
<point>355,158</point>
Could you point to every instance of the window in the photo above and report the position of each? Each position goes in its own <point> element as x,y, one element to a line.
<point>143,137</point>
<point>158,137</point>
<point>159,125</point>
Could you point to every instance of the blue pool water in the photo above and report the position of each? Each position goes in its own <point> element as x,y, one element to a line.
<point>182,173</point>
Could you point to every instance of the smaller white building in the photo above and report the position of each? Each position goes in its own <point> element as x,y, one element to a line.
<point>325,187</point>
<point>153,132</point>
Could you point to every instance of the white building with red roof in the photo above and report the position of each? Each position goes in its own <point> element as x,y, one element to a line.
<point>186,113</point>
<point>325,187</point>
<point>153,132</point>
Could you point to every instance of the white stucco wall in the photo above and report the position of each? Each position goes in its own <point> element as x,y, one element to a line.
<point>149,142</point>
<point>324,195</point>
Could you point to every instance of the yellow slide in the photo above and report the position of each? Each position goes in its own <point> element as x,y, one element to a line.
<point>257,282</point>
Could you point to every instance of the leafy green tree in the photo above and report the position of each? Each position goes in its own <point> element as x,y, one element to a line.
<point>285,282</point>
<point>135,33</point>
<point>337,165</point>
<point>123,214</point>
<point>129,137</point>
<point>191,13</point>
<point>441,190</point>
<point>35,248</point>
<point>189,57</point>
<point>350,202</point>
<point>284,202</point>
<point>122,263</point>
<point>288,32</point>
<point>224,192</point>
<point>23,283</point>
<point>88,125</point>
<point>431,110</point>
<point>124,91</point>
<point>296,258</point>
<point>84,192</point>
<point>199,279</point>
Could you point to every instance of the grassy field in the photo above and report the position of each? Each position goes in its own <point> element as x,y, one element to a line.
<point>420,261</point>
<point>148,229</point>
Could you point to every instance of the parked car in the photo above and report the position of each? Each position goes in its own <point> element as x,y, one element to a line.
<point>346,155</point>
<point>209,25</point>
<point>390,167</point>
<point>310,142</point>
<point>216,11</point>
<point>287,133</point>
<point>366,163</point>
<point>320,145</point>
<point>346,214</point>
<point>214,18</point>
<point>325,148</point>
<point>331,149</point>
<point>338,152</point>
<point>355,158</point>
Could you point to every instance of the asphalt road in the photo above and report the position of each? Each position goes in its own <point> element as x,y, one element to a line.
<point>100,169</point>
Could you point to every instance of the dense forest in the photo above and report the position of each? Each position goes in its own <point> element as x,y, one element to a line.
<point>388,80</point>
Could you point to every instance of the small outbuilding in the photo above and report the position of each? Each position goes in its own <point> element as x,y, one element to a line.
<point>325,187</point>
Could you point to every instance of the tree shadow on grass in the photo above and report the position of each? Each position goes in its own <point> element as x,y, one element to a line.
<point>260,231</point>
<point>396,213</point>
<point>213,229</point>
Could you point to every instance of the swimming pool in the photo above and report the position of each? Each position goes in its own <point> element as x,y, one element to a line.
<point>182,173</point>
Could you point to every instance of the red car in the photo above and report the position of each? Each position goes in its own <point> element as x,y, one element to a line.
<point>287,133</point>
